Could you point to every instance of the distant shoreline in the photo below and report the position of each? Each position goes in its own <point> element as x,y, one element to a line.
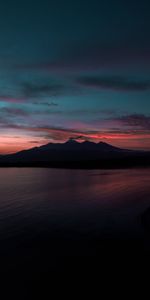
<point>74,155</point>
<point>109,164</point>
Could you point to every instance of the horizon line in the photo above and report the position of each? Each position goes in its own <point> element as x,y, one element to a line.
<point>77,141</point>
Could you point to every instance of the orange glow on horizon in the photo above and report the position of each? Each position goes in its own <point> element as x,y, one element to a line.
<point>12,144</point>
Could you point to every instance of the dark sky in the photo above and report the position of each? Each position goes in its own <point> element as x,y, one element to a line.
<point>74,69</point>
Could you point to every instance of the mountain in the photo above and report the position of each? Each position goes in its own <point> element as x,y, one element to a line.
<point>75,154</point>
<point>73,145</point>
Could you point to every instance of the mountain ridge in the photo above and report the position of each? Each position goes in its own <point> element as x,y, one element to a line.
<point>71,143</point>
<point>74,154</point>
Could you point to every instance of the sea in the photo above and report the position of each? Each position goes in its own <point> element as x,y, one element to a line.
<point>55,222</point>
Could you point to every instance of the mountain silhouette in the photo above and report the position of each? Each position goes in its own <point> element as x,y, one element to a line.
<point>74,154</point>
<point>73,145</point>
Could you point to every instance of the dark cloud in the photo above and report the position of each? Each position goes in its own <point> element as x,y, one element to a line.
<point>136,120</point>
<point>14,111</point>
<point>94,55</point>
<point>34,142</point>
<point>31,90</point>
<point>113,83</point>
<point>49,104</point>
<point>78,137</point>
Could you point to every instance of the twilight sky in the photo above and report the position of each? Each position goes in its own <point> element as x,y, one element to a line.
<point>77,68</point>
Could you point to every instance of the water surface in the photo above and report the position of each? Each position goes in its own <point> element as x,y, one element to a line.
<point>51,217</point>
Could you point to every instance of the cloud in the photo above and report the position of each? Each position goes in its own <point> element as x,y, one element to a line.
<point>11,99</point>
<point>14,111</point>
<point>33,142</point>
<point>113,83</point>
<point>35,90</point>
<point>32,90</point>
<point>49,104</point>
<point>132,137</point>
<point>94,55</point>
<point>136,121</point>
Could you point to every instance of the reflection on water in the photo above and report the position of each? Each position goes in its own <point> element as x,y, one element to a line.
<point>47,214</point>
<point>42,197</point>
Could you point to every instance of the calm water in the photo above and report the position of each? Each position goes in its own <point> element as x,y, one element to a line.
<point>49,215</point>
<point>94,200</point>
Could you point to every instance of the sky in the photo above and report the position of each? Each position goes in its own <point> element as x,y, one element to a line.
<point>74,69</point>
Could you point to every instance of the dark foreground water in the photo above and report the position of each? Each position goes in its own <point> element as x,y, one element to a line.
<point>56,222</point>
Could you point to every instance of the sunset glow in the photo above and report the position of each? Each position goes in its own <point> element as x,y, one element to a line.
<point>74,75</point>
